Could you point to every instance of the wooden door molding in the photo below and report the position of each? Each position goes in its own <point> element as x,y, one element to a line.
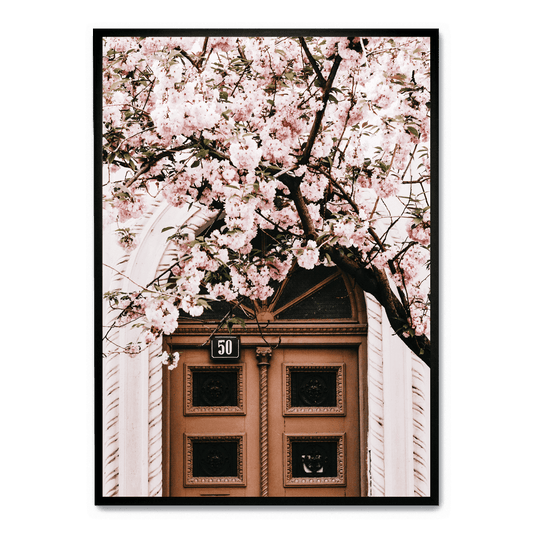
<point>329,331</point>
<point>313,410</point>
<point>214,460</point>
<point>290,479</point>
<point>209,410</point>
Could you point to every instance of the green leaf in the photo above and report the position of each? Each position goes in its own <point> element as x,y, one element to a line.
<point>203,303</point>
<point>166,229</point>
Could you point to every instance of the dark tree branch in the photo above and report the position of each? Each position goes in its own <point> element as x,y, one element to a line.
<point>313,62</point>
<point>375,282</point>
<point>154,159</point>
<point>202,57</point>
<point>320,114</point>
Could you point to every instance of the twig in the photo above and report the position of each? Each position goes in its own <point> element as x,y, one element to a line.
<point>386,174</point>
<point>284,171</point>
<point>233,306</point>
<point>261,330</point>
<point>277,226</point>
<point>124,276</point>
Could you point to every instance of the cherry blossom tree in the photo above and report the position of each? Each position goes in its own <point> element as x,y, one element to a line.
<point>322,144</point>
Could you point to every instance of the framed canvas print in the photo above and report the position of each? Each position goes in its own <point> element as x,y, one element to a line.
<point>266,222</point>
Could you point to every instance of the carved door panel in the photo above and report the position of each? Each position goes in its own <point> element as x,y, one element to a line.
<point>279,424</point>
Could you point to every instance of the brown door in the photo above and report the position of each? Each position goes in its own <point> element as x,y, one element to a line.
<point>284,423</point>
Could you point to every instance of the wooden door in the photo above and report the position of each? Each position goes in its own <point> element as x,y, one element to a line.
<point>278,423</point>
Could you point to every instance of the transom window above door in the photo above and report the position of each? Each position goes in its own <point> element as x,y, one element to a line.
<point>321,293</point>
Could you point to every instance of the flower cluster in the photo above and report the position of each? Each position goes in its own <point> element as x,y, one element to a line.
<point>133,349</point>
<point>420,229</point>
<point>307,255</point>
<point>161,314</point>
<point>127,239</point>
<point>171,360</point>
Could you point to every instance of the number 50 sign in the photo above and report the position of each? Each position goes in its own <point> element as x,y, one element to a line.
<point>225,347</point>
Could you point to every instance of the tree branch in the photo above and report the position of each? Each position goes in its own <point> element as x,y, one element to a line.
<point>375,282</point>
<point>153,160</point>
<point>313,62</point>
<point>320,114</point>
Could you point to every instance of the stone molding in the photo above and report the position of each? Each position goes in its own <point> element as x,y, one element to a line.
<point>376,417</point>
<point>421,425</point>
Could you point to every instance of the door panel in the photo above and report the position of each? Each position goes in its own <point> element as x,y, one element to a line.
<point>312,427</point>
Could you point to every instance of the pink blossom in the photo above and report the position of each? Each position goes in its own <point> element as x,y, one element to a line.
<point>307,256</point>
<point>420,233</point>
<point>127,240</point>
<point>245,154</point>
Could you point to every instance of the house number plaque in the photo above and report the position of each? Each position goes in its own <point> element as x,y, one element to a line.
<point>225,348</point>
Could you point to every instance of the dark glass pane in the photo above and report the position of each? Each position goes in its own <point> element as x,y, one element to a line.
<point>214,388</point>
<point>313,389</point>
<point>219,309</point>
<point>301,281</point>
<point>314,458</point>
<point>214,458</point>
<point>331,301</point>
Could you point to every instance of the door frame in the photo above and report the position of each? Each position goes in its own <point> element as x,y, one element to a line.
<point>327,333</point>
